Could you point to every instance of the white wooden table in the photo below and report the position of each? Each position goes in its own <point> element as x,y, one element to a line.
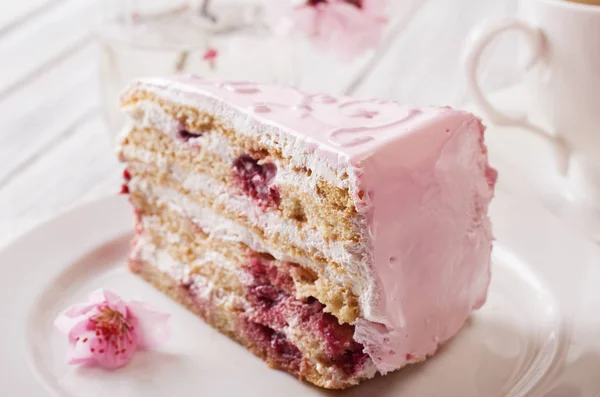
<point>55,147</point>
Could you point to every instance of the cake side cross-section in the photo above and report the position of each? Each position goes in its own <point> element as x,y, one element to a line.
<point>334,237</point>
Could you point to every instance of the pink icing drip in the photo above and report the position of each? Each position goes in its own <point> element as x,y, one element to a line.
<point>334,134</point>
<point>320,98</point>
<point>241,90</point>
<point>303,108</point>
<point>374,102</point>
<point>367,114</point>
<point>260,108</point>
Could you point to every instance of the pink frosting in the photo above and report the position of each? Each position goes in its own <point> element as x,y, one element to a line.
<point>431,238</point>
<point>428,185</point>
<point>341,129</point>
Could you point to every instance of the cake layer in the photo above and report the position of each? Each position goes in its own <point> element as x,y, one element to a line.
<point>417,182</point>
<point>331,285</point>
<point>250,297</point>
<point>322,208</point>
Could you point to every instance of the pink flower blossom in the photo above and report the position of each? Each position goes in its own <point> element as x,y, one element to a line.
<point>210,56</point>
<point>106,330</point>
<point>346,27</point>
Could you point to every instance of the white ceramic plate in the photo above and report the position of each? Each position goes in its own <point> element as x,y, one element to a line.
<point>538,334</point>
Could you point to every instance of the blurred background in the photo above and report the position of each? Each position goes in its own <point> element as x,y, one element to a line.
<point>65,61</point>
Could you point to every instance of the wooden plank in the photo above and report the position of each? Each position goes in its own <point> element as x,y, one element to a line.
<point>109,183</point>
<point>402,13</point>
<point>44,110</point>
<point>15,13</point>
<point>63,176</point>
<point>52,82</point>
<point>44,39</point>
<point>423,66</point>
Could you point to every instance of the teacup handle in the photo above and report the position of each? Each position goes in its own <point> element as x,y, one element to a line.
<point>480,38</point>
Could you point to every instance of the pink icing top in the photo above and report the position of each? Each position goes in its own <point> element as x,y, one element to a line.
<point>335,127</point>
<point>428,186</point>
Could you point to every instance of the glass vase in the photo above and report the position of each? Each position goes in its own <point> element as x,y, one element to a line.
<point>222,39</point>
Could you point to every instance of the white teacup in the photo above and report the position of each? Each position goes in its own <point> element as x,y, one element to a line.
<point>563,77</point>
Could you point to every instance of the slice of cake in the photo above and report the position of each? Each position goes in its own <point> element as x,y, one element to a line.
<point>335,238</point>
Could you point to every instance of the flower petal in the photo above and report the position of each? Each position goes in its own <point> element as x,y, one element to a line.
<point>80,329</point>
<point>79,351</point>
<point>342,27</point>
<point>113,300</point>
<point>79,309</point>
<point>75,314</point>
<point>151,325</point>
<point>375,7</point>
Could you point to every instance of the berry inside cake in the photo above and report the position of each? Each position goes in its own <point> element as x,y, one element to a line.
<point>335,238</point>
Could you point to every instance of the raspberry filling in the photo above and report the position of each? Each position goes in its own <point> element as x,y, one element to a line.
<point>125,186</point>
<point>274,345</point>
<point>255,179</point>
<point>186,135</point>
<point>271,293</point>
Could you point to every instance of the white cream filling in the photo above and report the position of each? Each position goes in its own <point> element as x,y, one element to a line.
<point>147,114</point>
<point>213,257</point>
<point>218,226</point>
<point>304,237</point>
<point>162,260</point>
<point>181,273</point>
